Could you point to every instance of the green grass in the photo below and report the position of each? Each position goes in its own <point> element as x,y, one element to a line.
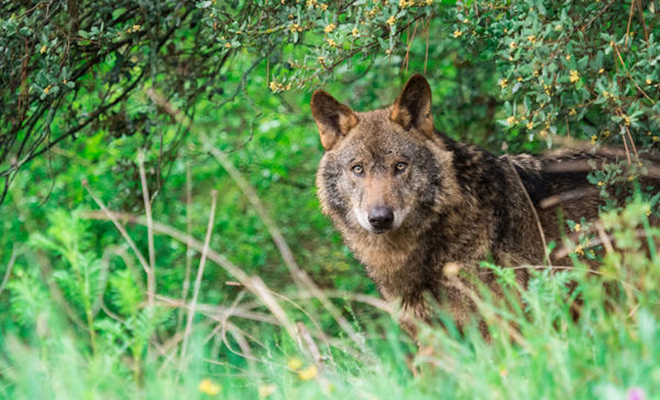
<point>536,350</point>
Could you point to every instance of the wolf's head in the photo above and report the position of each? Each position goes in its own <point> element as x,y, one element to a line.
<point>385,169</point>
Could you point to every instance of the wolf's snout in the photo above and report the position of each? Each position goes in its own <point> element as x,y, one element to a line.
<point>381,218</point>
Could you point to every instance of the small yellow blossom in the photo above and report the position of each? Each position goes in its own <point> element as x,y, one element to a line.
<point>601,183</point>
<point>631,178</point>
<point>626,120</point>
<point>594,139</point>
<point>568,57</point>
<point>272,85</point>
<point>512,45</point>
<point>332,43</point>
<point>577,227</point>
<point>310,3</point>
<point>575,76</point>
<point>558,27</point>
<point>429,2</point>
<point>530,125</point>
<point>329,28</point>
<point>308,373</point>
<point>648,81</point>
<point>606,133</point>
<point>388,51</point>
<point>579,250</point>
<point>355,32</point>
<point>44,48</point>
<point>600,71</point>
<point>532,38</point>
<point>656,138</point>
<point>406,3</point>
<point>209,387</point>
<point>228,45</point>
<point>536,73</point>
<point>391,20</point>
<point>266,390</point>
<point>294,364</point>
<point>324,7</point>
<point>648,213</point>
<point>511,120</point>
<point>47,89</point>
<point>503,83</point>
<point>465,21</point>
<point>572,112</point>
<point>458,33</point>
<point>543,133</point>
<point>321,58</point>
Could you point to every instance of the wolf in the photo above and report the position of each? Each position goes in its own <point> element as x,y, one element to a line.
<point>415,207</point>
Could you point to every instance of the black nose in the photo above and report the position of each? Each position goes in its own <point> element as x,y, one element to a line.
<point>381,217</point>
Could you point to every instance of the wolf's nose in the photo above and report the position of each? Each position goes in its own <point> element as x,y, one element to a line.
<point>381,217</point>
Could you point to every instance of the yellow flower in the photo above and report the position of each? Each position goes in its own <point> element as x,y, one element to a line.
<point>308,373</point>
<point>294,364</point>
<point>626,120</point>
<point>503,83</point>
<point>388,51</point>
<point>332,43</point>
<point>601,183</point>
<point>606,133</point>
<point>536,73</point>
<point>311,3</point>
<point>511,120</point>
<point>600,71</point>
<point>655,138</point>
<point>458,33</point>
<point>577,227</point>
<point>44,48</point>
<point>530,125</point>
<point>355,32</point>
<point>631,178</point>
<point>512,45</point>
<point>266,390</point>
<point>329,28</point>
<point>391,20</point>
<point>228,45</point>
<point>594,139</point>
<point>324,7</point>
<point>429,2</point>
<point>272,85</point>
<point>532,38</point>
<point>572,112</point>
<point>47,89</point>
<point>575,76</point>
<point>648,81</point>
<point>321,59</point>
<point>209,387</point>
<point>465,21</point>
<point>520,79</point>
<point>579,250</point>
<point>568,57</point>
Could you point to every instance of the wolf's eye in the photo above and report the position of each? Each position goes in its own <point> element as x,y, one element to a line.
<point>401,166</point>
<point>357,169</point>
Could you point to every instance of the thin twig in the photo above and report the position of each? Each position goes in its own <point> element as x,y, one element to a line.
<point>198,280</point>
<point>151,278</point>
<point>10,266</point>
<point>534,213</point>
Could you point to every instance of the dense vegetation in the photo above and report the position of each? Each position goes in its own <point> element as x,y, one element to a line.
<point>160,235</point>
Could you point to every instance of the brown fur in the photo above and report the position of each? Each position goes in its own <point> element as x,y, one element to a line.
<point>453,205</point>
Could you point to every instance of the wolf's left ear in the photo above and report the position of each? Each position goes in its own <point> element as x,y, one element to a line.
<point>413,106</point>
<point>333,118</point>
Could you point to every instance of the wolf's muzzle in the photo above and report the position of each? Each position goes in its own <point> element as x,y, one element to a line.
<point>381,218</point>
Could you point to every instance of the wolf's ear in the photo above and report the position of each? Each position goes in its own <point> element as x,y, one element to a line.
<point>413,106</point>
<point>333,118</point>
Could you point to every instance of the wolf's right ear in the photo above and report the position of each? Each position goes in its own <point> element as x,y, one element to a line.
<point>333,118</point>
<point>413,106</point>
